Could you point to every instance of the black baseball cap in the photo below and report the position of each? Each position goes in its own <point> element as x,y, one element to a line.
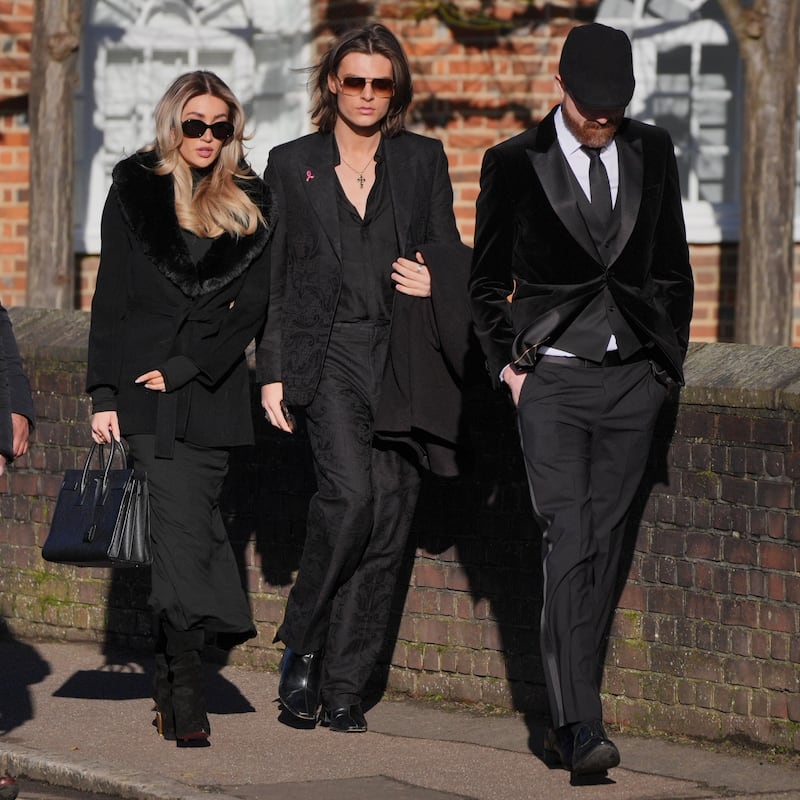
<point>596,66</point>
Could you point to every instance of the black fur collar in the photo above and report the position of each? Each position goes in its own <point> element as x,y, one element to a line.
<point>147,204</point>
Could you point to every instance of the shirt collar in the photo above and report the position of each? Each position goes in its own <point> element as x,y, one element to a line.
<point>569,144</point>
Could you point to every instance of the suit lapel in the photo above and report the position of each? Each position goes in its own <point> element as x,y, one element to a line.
<point>631,171</point>
<point>551,168</point>
<point>402,180</point>
<point>320,179</point>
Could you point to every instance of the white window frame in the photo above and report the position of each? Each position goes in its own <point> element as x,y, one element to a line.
<point>706,221</point>
<point>132,49</point>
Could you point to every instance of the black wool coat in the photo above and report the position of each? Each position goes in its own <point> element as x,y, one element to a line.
<point>431,360</point>
<point>306,248</point>
<point>15,391</point>
<point>534,255</point>
<point>154,308</point>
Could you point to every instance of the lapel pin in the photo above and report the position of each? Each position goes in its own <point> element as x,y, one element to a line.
<point>309,175</point>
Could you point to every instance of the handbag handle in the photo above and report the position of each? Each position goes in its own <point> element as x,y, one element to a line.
<point>115,447</point>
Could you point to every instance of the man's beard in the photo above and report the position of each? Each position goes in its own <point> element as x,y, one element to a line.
<point>589,132</point>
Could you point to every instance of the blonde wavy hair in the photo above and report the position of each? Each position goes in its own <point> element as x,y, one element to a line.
<point>217,205</point>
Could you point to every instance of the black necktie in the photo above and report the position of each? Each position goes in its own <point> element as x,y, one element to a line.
<point>598,185</point>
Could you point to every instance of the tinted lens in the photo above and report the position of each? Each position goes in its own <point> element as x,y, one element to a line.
<point>195,128</point>
<point>383,87</point>
<point>352,84</point>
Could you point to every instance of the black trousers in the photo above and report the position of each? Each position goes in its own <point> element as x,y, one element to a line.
<point>585,433</point>
<point>358,520</point>
<point>195,583</point>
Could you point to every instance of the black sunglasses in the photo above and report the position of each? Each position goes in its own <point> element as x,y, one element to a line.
<point>352,84</point>
<point>195,128</point>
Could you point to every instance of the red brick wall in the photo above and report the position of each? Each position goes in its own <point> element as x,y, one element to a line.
<point>16,23</point>
<point>706,641</point>
<point>707,627</point>
<point>714,268</point>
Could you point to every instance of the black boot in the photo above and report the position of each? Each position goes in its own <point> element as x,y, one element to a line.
<point>192,727</point>
<point>300,683</point>
<point>162,684</point>
<point>162,694</point>
<point>187,686</point>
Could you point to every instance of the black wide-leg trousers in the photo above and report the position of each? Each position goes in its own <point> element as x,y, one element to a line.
<point>358,520</point>
<point>586,434</point>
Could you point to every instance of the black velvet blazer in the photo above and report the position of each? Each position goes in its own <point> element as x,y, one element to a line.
<point>306,249</point>
<point>532,244</point>
<point>154,308</point>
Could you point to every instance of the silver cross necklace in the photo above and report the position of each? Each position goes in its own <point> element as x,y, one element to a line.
<point>360,172</point>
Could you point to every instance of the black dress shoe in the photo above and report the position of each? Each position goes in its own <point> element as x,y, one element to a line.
<point>299,685</point>
<point>558,746</point>
<point>345,719</point>
<point>593,752</point>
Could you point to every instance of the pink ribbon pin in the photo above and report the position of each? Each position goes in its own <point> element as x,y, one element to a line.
<point>309,175</point>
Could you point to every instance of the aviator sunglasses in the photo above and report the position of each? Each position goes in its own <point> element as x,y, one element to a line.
<point>195,128</point>
<point>352,84</point>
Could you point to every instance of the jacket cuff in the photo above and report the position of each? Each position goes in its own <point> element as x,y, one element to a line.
<point>267,370</point>
<point>104,398</point>
<point>178,371</point>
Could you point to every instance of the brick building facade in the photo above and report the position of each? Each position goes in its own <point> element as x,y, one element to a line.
<point>473,88</point>
<point>16,23</point>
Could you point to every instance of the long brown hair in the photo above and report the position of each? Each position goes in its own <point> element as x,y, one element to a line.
<point>372,39</point>
<point>217,205</point>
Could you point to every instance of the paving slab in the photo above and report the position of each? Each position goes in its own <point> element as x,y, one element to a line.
<point>75,720</point>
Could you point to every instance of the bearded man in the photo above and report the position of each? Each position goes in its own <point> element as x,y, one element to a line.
<point>582,298</point>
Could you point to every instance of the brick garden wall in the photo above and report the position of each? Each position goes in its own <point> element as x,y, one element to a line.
<point>705,641</point>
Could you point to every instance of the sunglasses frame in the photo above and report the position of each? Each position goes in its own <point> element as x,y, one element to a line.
<point>356,90</point>
<point>196,122</point>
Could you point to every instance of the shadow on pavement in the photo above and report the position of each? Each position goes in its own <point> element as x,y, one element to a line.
<point>29,667</point>
<point>120,681</point>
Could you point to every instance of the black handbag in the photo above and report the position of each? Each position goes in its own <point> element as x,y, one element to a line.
<point>102,516</point>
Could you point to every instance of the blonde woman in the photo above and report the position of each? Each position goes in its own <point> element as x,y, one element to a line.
<point>181,290</point>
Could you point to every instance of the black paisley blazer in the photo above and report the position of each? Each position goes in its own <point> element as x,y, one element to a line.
<point>306,248</point>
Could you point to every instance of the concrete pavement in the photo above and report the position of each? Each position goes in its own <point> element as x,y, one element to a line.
<point>70,718</point>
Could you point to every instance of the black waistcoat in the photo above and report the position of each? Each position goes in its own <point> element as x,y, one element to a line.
<point>588,335</point>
